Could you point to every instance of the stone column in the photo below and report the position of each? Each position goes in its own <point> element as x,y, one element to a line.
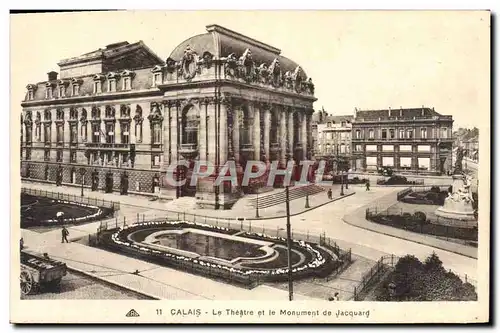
<point>304,135</point>
<point>211,127</point>
<point>202,132</point>
<point>66,127</point>
<point>283,133</point>
<point>267,130</point>
<point>291,127</point>
<point>103,130</point>
<point>236,135</point>
<point>166,139</point>
<point>224,105</point>
<point>174,107</point>
<point>309,133</point>
<point>256,131</point>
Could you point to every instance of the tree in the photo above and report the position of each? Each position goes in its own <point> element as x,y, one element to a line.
<point>433,263</point>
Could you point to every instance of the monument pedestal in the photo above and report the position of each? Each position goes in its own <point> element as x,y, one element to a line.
<point>457,209</point>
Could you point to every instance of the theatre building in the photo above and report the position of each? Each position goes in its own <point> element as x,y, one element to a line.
<point>117,117</point>
<point>415,141</point>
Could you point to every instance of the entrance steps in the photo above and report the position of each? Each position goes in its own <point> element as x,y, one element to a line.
<point>279,197</point>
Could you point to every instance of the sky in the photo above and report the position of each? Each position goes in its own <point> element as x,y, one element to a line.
<point>368,60</point>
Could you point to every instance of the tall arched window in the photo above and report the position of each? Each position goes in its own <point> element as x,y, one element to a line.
<point>190,126</point>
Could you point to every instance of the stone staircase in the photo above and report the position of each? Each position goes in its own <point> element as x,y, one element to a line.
<point>280,197</point>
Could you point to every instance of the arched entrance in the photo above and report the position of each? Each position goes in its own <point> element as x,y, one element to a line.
<point>190,123</point>
<point>109,182</point>
<point>124,183</point>
<point>95,180</point>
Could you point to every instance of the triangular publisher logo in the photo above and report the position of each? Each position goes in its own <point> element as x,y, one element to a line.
<point>132,313</point>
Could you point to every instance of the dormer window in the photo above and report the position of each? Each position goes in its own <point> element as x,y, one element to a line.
<point>31,91</point>
<point>61,84</point>
<point>48,91</point>
<point>157,75</point>
<point>111,82</point>
<point>97,84</point>
<point>75,87</point>
<point>127,79</point>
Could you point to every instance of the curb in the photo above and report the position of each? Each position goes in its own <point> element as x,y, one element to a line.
<point>411,240</point>
<point>96,277</point>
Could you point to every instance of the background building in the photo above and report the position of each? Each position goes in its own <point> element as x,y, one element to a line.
<point>121,115</point>
<point>417,140</point>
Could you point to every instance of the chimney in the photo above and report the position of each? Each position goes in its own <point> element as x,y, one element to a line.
<point>401,111</point>
<point>389,111</point>
<point>52,76</point>
<point>355,112</point>
<point>423,111</point>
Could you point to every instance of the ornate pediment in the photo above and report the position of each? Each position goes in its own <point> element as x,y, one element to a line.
<point>155,113</point>
<point>63,83</point>
<point>112,75</point>
<point>76,81</point>
<point>138,114</point>
<point>157,69</point>
<point>127,73</point>
<point>32,87</point>
<point>98,77</point>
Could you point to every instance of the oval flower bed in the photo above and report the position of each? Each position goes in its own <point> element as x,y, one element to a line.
<point>317,262</point>
<point>44,212</point>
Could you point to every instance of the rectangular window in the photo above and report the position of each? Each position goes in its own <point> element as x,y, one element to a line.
<point>371,134</point>
<point>409,134</point>
<point>125,128</point>
<point>62,91</point>
<point>342,149</point>
<point>371,147</point>
<point>111,85</point>
<point>110,133</point>
<point>342,123</point>
<point>157,133</point>
<point>405,162</point>
<point>48,93</point>
<point>388,161</point>
<point>60,134</point>
<point>424,163</point>
<point>46,155</point>
<point>76,90</point>
<point>371,162</point>
<point>424,148</point>
<point>157,79</point>
<point>423,133</point>
<point>59,156</point>
<point>73,134</point>
<point>405,148</point>
<point>125,161</point>
<point>96,133</point>
<point>387,148</point>
<point>155,161</point>
<point>444,133</point>
<point>359,148</point>
<point>72,156</point>
<point>97,87</point>
<point>401,133</point>
<point>392,133</point>
<point>126,83</point>
<point>358,134</point>
<point>384,134</point>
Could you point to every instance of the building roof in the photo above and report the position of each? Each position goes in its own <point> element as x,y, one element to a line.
<point>221,42</point>
<point>321,117</point>
<point>118,55</point>
<point>392,114</point>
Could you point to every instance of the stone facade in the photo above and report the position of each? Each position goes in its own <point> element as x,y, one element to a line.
<point>234,100</point>
<point>415,140</point>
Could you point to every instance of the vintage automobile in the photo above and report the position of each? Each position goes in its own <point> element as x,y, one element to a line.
<point>39,271</point>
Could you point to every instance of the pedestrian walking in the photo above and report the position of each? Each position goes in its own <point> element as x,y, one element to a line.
<point>21,243</point>
<point>329,193</point>
<point>367,185</point>
<point>64,234</point>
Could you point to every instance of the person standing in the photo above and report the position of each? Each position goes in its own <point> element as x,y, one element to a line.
<point>21,243</point>
<point>64,234</point>
<point>367,185</point>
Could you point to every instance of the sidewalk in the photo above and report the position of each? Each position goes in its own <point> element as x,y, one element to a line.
<point>357,218</point>
<point>133,204</point>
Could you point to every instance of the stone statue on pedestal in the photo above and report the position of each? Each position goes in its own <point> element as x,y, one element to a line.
<point>458,163</point>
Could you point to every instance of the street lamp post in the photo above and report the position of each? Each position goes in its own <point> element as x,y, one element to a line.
<point>82,174</point>
<point>289,241</point>
<point>257,206</point>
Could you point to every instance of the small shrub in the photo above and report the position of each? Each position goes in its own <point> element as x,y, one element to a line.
<point>407,216</point>
<point>435,189</point>
<point>420,217</point>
